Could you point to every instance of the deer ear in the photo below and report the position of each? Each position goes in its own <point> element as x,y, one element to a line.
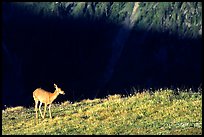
<point>55,85</point>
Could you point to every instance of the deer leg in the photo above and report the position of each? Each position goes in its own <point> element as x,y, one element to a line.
<point>44,110</point>
<point>50,110</point>
<point>40,109</point>
<point>36,109</point>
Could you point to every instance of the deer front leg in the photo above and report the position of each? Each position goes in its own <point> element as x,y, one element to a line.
<point>44,110</point>
<point>50,110</point>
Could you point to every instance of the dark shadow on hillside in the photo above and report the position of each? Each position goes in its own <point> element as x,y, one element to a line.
<point>39,52</point>
<point>160,60</point>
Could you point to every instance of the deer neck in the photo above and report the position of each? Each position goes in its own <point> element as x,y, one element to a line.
<point>54,96</point>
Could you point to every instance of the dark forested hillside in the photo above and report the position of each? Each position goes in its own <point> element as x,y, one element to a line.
<point>184,18</point>
<point>92,49</point>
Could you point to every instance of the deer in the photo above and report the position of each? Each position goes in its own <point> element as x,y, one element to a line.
<point>42,96</point>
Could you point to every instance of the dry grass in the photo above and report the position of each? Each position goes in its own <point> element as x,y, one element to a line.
<point>141,113</point>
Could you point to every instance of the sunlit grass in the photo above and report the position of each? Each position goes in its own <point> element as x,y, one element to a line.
<point>158,112</point>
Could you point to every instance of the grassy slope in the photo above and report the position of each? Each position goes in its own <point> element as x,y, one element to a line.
<point>161,112</point>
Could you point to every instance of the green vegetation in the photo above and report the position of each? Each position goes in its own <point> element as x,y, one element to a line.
<point>182,18</point>
<point>162,112</point>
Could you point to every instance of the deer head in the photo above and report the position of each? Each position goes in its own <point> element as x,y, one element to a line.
<point>59,89</point>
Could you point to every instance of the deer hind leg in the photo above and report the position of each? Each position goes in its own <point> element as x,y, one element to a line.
<point>50,110</point>
<point>36,108</point>
<point>40,109</point>
<point>45,109</point>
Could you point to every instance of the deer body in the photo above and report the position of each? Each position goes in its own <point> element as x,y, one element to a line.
<point>45,97</point>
